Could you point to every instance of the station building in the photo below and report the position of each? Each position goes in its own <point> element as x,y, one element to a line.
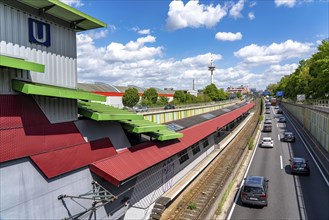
<point>64,154</point>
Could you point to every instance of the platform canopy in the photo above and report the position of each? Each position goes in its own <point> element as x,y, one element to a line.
<point>76,19</point>
<point>130,121</point>
<point>31,88</point>
<point>16,63</point>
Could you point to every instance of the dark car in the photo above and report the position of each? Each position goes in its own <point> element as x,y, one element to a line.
<point>299,165</point>
<point>267,127</point>
<point>169,106</point>
<point>254,191</point>
<point>282,120</point>
<point>279,111</point>
<point>288,136</point>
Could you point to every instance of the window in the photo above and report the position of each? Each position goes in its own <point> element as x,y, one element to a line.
<point>183,156</point>
<point>195,148</point>
<point>205,143</point>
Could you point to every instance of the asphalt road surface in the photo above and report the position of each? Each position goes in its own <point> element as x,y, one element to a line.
<point>289,196</point>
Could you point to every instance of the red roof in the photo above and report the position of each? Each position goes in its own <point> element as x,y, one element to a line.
<point>123,166</point>
<point>61,161</point>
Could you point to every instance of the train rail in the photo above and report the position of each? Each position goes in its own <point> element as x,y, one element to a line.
<point>197,203</point>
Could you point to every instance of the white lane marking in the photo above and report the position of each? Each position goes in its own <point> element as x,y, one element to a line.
<point>300,137</point>
<point>245,175</point>
<point>277,125</point>
<point>281,162</point>
<point>279,137</point>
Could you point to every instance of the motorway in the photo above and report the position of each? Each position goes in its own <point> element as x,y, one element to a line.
<point>289,196</point>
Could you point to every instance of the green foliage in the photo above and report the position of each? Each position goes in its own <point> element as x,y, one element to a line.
<point>163,100</point>
<point>130,98</point>
<point>150,97</point>
<point>211,91</point>
<point>310,78</point>
<point>250,143</point>
<point>179,97</point>
<point>238,95</point>
<point>191,206</point>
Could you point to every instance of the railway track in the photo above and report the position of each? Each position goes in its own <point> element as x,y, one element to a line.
<point>200,196</point>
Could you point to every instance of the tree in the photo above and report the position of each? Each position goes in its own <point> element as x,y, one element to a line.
<point>163,100</point>
<point>179,97</point>
<point>130,98</point>
<point>150,96</point>
<point>211,91</point>
<point>239,95</point>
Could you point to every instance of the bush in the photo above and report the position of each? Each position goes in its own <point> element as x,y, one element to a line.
<point>250,143</point>
<point>191,206</point>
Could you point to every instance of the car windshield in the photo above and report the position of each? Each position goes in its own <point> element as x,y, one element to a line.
<point>267,140</point>
<point>253,189</point>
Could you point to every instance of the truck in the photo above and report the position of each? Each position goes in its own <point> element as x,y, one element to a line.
<point>273,101</point>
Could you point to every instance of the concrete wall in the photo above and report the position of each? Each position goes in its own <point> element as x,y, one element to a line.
<point>316,122</point>
<point>26,194</point>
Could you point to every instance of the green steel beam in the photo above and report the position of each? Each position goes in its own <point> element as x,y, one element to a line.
<point>77,19</point>
<point>54,91</point>
<point>142,126</point>
<point>21,64</point>
<point>101,112</point>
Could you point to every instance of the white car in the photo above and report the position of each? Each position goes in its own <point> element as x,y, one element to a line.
<point>266,142</point>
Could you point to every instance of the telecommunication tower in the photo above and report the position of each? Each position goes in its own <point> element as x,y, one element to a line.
<point>211,68</point>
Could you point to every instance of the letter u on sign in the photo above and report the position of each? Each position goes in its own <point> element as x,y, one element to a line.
<point>39,32</point>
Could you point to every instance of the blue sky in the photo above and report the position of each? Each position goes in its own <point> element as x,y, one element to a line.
<point>168,44</point>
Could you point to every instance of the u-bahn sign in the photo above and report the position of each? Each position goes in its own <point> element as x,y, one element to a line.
<point>39,32</point>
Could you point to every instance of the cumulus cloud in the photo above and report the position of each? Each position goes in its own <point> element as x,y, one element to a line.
<point>286,3</point>
<point>251,16</point>
<point>280,70</point>
<point>236,9</point>
<point>274,53</point>
<point>73,3</point>
<point>193,14</point>
<point>137,63</point>
<point>228,36</point>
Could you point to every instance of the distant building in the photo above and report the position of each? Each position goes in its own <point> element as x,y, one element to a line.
<point>242,89</point>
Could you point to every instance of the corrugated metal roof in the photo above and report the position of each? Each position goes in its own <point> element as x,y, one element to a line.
<point>61,161</point>
<point>119,168</point>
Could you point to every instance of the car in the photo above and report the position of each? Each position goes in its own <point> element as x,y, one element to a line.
<point>276,107</point>
<point>254,191</point>
<point>267,127</point>
<point>268,121</point>
<point>268,111</point>
<point>140,108</point>
<point>299,165</point>
<point>282,120</point>
<point>288,137</point>
<point>169,106</point>
<point>266,142</point>
<point>279,111</point>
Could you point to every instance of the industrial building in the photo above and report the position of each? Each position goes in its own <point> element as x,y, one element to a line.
<point>64,154</point>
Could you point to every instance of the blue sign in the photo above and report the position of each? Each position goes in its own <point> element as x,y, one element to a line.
<point>266,93</point>
<point>279,94</point>
<point>39,32</point>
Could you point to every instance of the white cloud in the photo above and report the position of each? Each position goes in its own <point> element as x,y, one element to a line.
<point>236,9</point>
<point>144,31</point>
<point>228,36</point>
<point>281,71</point>
<point>274,53</point>
<point>136,63</point>
<point>287,3</point>
<point>97,34</point>
<point>73,3</point>
<point>193,14</point>
<point>251,16</point>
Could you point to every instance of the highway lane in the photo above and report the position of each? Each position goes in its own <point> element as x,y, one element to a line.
<point>290,196</point>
